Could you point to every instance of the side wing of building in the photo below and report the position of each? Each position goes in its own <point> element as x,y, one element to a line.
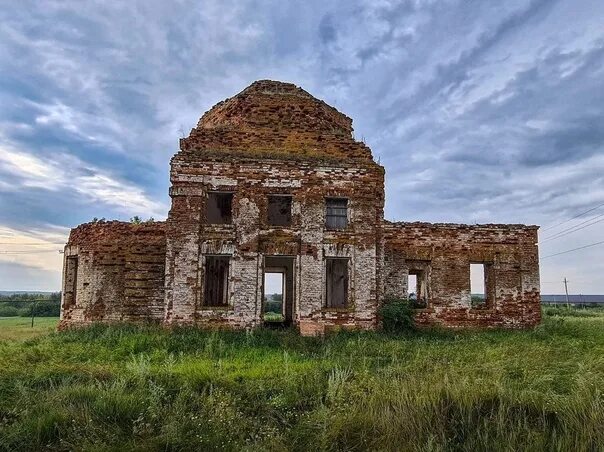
<point>114,272</point>
<point>439,258</point>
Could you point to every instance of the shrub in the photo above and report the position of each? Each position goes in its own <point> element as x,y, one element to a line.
<point>273,317</point>
<point>397,316</point>
<point>272,306</point>
<point>418,304</point>
<point>46,309</point>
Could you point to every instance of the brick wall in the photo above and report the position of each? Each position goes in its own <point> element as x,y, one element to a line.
<point>249,238</point>
<point>447,250</point>
<point>113,272</point>
<point>276,120</point>
<point>274,138</point>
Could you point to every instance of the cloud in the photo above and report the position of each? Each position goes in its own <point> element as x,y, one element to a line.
<point>480,111</point>
<point>88,127</point>
<point>32,171</point>
<point>30,260</point>
<point>16,276</point>
<point>72,176</point>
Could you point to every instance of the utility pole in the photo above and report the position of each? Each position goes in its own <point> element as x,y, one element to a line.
<point>566,290</point>
<point>33,313</point>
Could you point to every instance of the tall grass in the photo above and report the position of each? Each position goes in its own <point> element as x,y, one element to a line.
<point>142,388</point>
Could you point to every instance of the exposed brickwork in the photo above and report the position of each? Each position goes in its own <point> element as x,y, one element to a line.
<point>276,139</point>
<point>120,273</point>
<point>446,251</point>
<point>270,119</point>
<point>249,238</point>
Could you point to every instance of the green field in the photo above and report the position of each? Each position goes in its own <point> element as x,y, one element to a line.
<point>19,328</point>
<point>128,388</point>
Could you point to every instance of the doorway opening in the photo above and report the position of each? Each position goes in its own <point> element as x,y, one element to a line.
<point>278,290</point>
<point>274,294</point>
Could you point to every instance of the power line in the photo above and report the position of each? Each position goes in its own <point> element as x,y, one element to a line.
<point>574,226</point>
<point>573,229</point>
<point>30,251</point>
<point>570,219</point>
<point>32,243</point>
<point>574,249</point>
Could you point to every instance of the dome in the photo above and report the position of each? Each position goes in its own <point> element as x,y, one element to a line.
<point>275,119</point>
<point>273,104</point>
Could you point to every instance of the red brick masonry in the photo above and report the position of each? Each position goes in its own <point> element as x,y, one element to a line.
<point>274,138</point>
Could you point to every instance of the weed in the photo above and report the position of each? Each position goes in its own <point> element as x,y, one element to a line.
<point>143,388</point>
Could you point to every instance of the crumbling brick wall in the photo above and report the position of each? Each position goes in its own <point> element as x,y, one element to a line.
<point>249,238</point>
<point>114,271</point>
<point>446,251</point>
<point>274,138</point>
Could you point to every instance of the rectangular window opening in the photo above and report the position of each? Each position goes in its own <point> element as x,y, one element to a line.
<point>274,296</point>
<point>478,284</point>
<point>337,282</point>
<point>279,210</point>
<point>219,208</point>
<point>336,213</point>
<point>71,280</point>
<point>216,281</point>
<point>412,286</point>
<point>417,288</point>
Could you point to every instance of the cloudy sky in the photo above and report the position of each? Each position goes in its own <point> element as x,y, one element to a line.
<point>481,111</point>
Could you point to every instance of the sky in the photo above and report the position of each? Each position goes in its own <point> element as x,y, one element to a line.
<point>480,111</point>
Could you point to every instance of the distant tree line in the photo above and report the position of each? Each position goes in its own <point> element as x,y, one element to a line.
<point>23,304</point>
<point>273,302</point>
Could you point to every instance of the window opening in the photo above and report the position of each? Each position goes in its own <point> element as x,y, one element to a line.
<point>279,210</point>
<point>216,281</point>
<point>417,286</point>
<point>71,280</point>
<point>219,208</point>
<point>336,213</point>
<point>478,284</point>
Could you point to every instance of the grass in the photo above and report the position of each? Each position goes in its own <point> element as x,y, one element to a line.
<point>274,317</point>
<point>19,328</point>
<point>141,388</point>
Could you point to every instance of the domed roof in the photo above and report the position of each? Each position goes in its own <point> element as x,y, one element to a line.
<point>267,103</point>
<point>277,120</point>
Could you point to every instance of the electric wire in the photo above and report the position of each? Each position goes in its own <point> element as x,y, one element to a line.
<point>574,226</point>
<point>570,219</point>
<point>574,249</point>
<point>574,229</point>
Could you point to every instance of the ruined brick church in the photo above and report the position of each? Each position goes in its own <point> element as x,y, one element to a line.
<point>272,181</point>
